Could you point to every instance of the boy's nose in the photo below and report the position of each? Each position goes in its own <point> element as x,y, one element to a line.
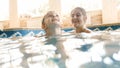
<point>54,16</point>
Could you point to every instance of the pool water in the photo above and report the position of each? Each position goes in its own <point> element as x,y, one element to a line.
<point>100,49</point>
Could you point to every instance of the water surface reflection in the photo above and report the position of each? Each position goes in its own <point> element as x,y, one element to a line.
<point>31,52</point>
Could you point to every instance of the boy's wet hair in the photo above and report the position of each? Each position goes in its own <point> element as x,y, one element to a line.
<point>43,23</point>
<point>80,9</point>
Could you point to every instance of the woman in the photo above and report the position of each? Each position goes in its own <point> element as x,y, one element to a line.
<point>79,18</point>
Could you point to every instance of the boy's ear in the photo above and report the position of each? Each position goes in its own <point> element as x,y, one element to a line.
<point>43,24</point>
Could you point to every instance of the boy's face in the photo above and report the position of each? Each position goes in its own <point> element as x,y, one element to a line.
<point>78,19</point>
<point>52,18</point>
<point>52,22</point>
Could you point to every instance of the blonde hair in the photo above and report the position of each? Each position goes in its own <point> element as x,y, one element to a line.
<point>80,9</point>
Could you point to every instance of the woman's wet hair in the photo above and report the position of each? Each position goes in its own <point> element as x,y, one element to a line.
<point>80,9</point>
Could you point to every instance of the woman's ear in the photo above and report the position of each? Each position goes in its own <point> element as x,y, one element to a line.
<point>85,18</point>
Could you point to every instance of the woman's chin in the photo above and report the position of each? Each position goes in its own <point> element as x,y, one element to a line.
<point>78,26</point>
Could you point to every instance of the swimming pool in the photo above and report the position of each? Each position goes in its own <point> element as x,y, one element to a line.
<point>100,49</point>
<point>31,32</point>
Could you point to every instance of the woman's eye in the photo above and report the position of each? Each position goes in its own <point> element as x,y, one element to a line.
<point>78,15</point>
<point>50,16</point>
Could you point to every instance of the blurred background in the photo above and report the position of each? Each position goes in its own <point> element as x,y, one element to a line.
<point>29,13</point>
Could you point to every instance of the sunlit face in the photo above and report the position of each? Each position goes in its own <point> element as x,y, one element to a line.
<point>78,19</point>
<point>51,23</point>
<point>51,17</point>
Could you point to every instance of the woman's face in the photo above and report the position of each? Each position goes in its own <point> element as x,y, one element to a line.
<point>78,19</point>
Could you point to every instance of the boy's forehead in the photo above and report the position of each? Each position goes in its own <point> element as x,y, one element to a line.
<point>52,13</point>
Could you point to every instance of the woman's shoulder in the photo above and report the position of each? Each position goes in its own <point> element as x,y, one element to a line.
<point>88,30</point>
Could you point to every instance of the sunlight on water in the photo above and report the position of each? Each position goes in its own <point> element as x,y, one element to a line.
<point>107,60</point>
<point>87,52</point>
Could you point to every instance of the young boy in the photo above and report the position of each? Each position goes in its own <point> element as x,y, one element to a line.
<point>79,18</point>
<point>51,25</point>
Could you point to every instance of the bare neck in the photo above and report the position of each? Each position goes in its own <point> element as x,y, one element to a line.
<point>53,32</point>
<point>80,29</point>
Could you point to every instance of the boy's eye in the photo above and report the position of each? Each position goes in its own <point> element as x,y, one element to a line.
<point>72,15</point>
<point>56,15</point>
<point>53,16</point>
